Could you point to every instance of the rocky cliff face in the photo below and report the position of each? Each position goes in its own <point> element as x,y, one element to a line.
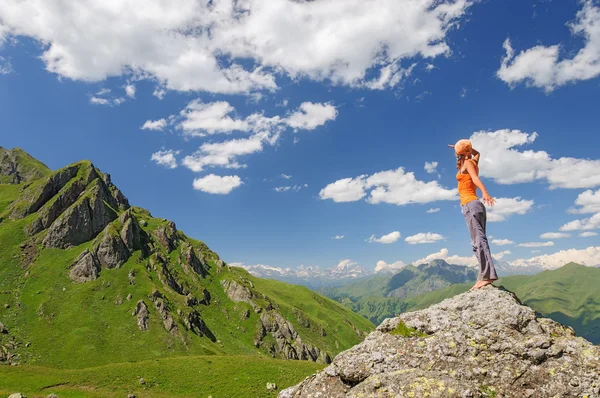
<point>478,344</point>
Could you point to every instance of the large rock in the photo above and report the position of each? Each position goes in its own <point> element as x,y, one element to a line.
<point>166,236</point>
<point>143,315</point>
<point>239,293</point>
<point>85,268</point>
<point>479,344</point>
<point>111,250</point>
<point>83,220</point>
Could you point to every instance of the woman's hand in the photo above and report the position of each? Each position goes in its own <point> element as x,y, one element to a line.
<point>488,200</point>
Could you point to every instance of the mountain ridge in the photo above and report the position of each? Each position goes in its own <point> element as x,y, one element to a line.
<point>88,279</point>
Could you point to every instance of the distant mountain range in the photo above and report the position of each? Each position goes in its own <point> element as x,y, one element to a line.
<point>569,295</point>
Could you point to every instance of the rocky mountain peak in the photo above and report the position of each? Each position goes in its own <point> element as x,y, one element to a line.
<point>17,166</point>
<point>483,343</point>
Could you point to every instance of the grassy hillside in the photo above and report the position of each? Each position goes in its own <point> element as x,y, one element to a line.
<point>177,377</point>
<point>207,317</point>
<point>16,166</point>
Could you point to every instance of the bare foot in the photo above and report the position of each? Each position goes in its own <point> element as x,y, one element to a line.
<point>481,284</point>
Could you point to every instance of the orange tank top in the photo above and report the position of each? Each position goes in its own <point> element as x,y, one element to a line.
<point>466,187</point>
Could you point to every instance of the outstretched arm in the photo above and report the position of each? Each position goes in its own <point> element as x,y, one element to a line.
<point>484,193</point>
<point>476,155</point>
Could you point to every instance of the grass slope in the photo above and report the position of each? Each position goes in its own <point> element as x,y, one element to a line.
<point>202,376</point>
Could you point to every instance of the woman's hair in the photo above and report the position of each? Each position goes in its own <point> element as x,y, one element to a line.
<point>460,160</point>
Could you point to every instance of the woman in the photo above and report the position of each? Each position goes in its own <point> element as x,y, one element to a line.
<point>473,210</point>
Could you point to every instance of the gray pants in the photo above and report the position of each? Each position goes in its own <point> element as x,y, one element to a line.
<point>476,217</point>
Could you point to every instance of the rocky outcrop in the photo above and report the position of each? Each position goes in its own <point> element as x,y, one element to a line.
<point>165,274</point>
<point>192,262</point>
<point>288,343</point>
<point>479,344</point>
<point>131,233</point>
<point>111,251</point>
<point>85,268</point>
<point>166,236</point>
<point>193,321</point>
<point>163,309</point>
<point>143,315</point>
<point>239,293</point>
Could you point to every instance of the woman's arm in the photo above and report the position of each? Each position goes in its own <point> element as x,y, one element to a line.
<point>476,155</point>
<point>475,177</point>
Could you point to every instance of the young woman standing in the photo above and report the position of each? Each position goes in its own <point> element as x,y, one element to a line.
<point>467,163</point>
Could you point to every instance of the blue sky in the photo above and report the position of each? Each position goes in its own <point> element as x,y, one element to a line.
<point>325,109</point>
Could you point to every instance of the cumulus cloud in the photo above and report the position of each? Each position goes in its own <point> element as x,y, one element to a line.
<point>541,66</point>
<point>205,46</point>
<point>310,116</point>
<point>504,162</point>
<point>431,167</point>
<point>536,244</point>
<point>392,186</point>
<point>287,177</point>
<point>443,254</point>
<point>555,235</point>
<point>295,188</point>
<point>502,242</point>
<point>433,210</point>
<point>382,266</point>
<point>505,207</point>
<point>338,237</point>
<point>386,239</point>
<point>423,237</point>
<point>214,184</point>
<point>589,257</point>
<point>166,158</point>
<point>592,222</point>
<point>588,234</point>
<point>200,119</point>
<point>159,124</point>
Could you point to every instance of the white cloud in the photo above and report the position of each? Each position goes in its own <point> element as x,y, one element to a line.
<point>166,158</point>
<point>217,184</point>
<point>310,116</point>
<point>392,186</point>
<point>130,90</point>
<point>588,234</point>
<point>505,207</point>
<point>463,93</point>
<point>386,239</point>
<point>555,235</point>
<point>200,119</point>
<point>420,238</point>
<point>99,101</point>
<point>540,66</point>
<point>589,257</point>
<point>429,67</point>
<point>502,161</point>
<point>433,210</point>
<point>295,188</point>
<point>159,124</point>
<point>206,46</point>
<point>431,167</point>
<point>589,202</point>
<point>338,237</point>
<point>470,261</point>
<point>5,65</point>
<point>536,244</point>
<point>502,242</point>
<point>394,267</point>
<point>159,92</point>
<point>500,255</point>
<point>287,177</point>
<point>592,222</point>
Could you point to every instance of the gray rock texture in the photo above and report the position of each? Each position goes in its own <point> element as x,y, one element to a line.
<point>85,268</point>
<point>484,343</point>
